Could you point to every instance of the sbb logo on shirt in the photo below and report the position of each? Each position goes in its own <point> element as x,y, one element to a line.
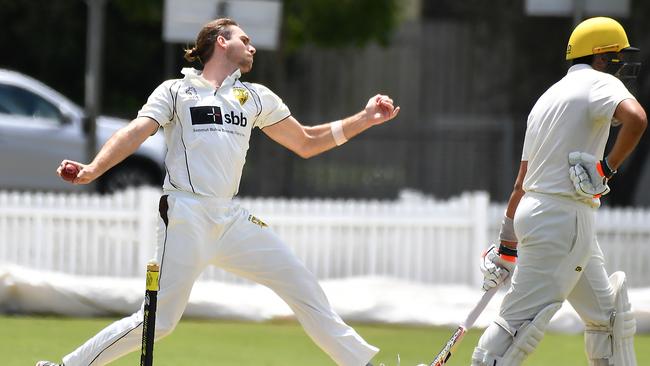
<point>236,120</point>
<point>205,115</point>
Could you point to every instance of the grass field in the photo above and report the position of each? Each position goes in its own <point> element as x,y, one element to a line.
<point>25,340</point>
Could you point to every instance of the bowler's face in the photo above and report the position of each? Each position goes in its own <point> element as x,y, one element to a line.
<point>240,51</point>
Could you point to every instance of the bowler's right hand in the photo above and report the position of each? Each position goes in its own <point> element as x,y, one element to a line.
<point>86,172</point>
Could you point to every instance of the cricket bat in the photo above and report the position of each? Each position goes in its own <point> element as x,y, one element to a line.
<point>446,352</point>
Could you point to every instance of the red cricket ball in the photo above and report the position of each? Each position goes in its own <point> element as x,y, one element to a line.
<point>69,172</point>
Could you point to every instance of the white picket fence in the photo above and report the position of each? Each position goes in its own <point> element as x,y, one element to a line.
<point>79,234</point>
<point>416,238</point>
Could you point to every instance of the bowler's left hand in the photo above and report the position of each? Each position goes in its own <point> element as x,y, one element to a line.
<point>380,109</point>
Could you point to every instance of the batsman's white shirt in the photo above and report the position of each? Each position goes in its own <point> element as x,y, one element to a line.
<point>572,115</point>
<point>207,131</point>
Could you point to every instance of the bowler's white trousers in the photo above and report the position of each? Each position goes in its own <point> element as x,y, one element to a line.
<point>558,259</point>
<point>195,232</point>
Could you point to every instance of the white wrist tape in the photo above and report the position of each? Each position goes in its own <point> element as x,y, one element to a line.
<point>337,132</point>
<point>507,232</point>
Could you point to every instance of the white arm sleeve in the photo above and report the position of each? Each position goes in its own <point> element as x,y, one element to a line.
<point>273,109</point>
<point>160,105</point>
<point>605,96</point>
<point>525,153</point>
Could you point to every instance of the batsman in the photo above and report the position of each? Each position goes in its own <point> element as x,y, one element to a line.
<point>548,232</point>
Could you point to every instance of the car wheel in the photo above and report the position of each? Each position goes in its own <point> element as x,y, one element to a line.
<point>127,175</point>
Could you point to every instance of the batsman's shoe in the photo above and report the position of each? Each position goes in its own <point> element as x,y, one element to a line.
<point>47,363</point>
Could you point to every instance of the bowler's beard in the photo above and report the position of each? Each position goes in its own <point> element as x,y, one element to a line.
<point>245,66</point>
<point>243,62</point>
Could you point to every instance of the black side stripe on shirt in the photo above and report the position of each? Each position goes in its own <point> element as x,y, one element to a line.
<point>169,178</point>
<point>256,99</point>
<point>175,113</point>
<point>187,164</point>
<point>174,98</point>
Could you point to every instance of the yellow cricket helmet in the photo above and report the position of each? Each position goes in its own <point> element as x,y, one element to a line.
<point>597,35</point>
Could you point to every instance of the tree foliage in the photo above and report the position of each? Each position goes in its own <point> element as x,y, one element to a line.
<point>331,23</point>
<point>47,40</point>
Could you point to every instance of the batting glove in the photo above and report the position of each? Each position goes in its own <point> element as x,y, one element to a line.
<point>497,264</point>
<point>589,175</point>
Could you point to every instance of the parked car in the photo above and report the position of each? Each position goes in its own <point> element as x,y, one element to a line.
<point>39,127</point>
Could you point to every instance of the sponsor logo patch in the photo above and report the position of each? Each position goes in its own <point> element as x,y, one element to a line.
<point>206,115</point>
<point>241,94</point>
<point>235,119</point>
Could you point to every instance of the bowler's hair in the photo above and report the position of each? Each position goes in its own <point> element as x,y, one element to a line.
<point>204,46</point>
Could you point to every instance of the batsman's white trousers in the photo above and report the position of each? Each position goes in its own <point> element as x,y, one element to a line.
<point>195,232</point>
<point>558,259</point>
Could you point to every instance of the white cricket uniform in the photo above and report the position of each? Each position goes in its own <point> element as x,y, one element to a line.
<point>558,255</point>
<point>207,133</point>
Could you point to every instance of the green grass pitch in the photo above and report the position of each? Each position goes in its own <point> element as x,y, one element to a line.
<point>25,340</point>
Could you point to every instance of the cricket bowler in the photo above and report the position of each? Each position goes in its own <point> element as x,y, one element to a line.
<point>208,117</point>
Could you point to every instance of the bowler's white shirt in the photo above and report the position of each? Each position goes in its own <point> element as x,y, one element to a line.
<point>572,115</point>
<point>207,130</point>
